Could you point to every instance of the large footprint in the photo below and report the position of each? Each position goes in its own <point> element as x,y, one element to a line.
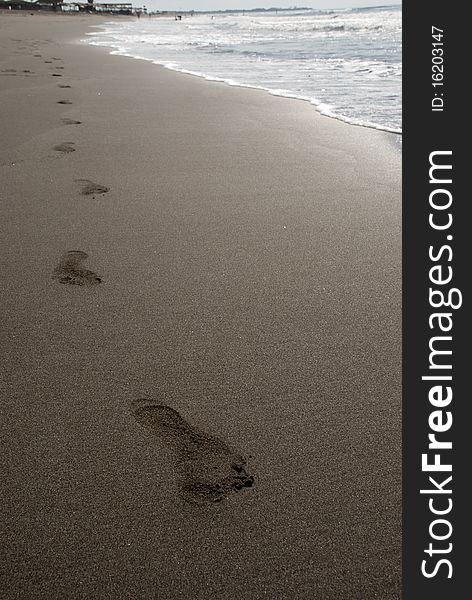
<point>209,470</point>
<point>69,270</point>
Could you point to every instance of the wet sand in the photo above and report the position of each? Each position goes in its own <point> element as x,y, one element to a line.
<point>201,319</point>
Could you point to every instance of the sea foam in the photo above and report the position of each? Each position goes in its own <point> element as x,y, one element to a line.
<point>346,63</point>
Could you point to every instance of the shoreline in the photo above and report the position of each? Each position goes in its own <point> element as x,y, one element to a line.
<point>316,104</point>
<point>230,261</point>
<point>231,83</point>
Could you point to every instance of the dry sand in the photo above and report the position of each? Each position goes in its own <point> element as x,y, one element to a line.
<point>238,257</point>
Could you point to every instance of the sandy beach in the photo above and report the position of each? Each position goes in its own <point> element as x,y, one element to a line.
<point>201,335</point>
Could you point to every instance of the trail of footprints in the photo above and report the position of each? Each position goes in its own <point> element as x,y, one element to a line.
<point>16,73</point>
<point>31,47</point>
<point>208,470</point>
<point>70,270</point>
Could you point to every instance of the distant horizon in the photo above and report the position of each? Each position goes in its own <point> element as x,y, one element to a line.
<point>279,4</point>
<point>214,5</point>
<point>271,6</point>
<point>241,5</point>
<point>150,4</point>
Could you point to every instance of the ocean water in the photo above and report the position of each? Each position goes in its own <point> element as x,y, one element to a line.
<point>347,63</point>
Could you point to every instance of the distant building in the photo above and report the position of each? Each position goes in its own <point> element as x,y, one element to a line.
<point>36,5</point>
<point>123,8</point>
<point>18,5</point>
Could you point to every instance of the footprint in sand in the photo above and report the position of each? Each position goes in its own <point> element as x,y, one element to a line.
<point>209,470</point>
<point>63,85</point>
<point>71,122</point>
<point>69,270</point>
<point>64,102</point>
<point>65,147</point>
<point>56,75</point>
<point>89,187</point>
<point>48,61</point>
<point>58,67</point>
